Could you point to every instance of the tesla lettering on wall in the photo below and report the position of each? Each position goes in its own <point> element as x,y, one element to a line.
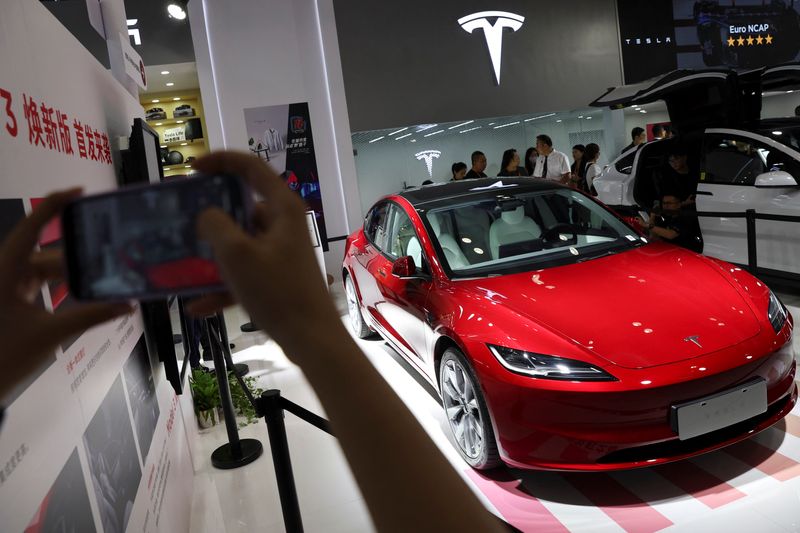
<point>428,156</point>
<point>493,32</point>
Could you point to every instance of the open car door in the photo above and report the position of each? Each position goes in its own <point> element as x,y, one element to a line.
<point>784,77</point>
<point>695,99</point>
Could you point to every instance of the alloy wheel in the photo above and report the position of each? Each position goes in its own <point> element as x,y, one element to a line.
<point>461,406</point>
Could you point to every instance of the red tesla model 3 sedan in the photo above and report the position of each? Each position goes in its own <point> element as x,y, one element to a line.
<point>557,336</point>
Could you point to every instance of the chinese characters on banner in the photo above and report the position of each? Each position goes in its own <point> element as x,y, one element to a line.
<point>50,128</point>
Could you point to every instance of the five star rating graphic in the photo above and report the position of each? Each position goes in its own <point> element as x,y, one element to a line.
<point>750,41</point>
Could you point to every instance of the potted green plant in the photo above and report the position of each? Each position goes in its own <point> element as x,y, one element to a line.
<point>241,403</point>
<point>205,393</point>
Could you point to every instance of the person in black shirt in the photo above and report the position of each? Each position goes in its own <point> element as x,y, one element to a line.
<point>478,166</point>
<point>531,155</point>
<point>673,225</point>
<point>510,165</point>
<point>639,137</point>
<point>459,171</point>
<point>676,176</point>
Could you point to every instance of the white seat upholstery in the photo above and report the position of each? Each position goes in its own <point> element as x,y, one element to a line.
<point>414,249</point>
<point>512,226</point>
<point>452,252</point>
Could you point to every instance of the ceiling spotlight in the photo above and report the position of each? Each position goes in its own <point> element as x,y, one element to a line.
<point>159,123</point>
<point>164,72</point>
<point>156,101</point>
<point>178,122</point>
<point>559,120</point>
<point>177,98</point>
<point>170,83</point>
<point>177,9</point>
<point>184,144</point>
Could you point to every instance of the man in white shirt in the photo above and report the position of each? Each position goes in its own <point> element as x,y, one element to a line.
<point>551,164</point>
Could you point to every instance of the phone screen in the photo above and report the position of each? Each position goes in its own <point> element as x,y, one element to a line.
<point>141,242</point>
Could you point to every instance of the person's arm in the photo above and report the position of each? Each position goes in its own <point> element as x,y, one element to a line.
<point>565,169</point>
<point>407,483</point>
<point>29,333</point>
<point>667,233</point>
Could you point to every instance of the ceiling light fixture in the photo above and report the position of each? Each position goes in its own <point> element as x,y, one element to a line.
<point>177,9</point>
<point>425,127</point>
<point>159,123</point>
<point>184,144</point>
<point>376,139</point>
<point>170,83</point>
<point>164,72</point>
<point>462,124</point>
<point>176,99</point>
<point>156,101</point>
<point>413,140</point>
<point>403,136</point>
<point>777,133</point>
<point>434,133</point>
<point>471,129</point>
<point>178,122</point>
<point>541,116</point>
<point>398,131</point>
<point>559,120</point>
<point>642,111</point>
<point>506,125</point>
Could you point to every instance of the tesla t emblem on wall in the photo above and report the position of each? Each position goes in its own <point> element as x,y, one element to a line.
<point>695,339</point>
<point>492,32</point>
<point>428,156</point>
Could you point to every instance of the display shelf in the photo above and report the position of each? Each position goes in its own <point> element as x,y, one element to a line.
<point>168,101</point>
<point>168,121</point>
<point>196,142</point>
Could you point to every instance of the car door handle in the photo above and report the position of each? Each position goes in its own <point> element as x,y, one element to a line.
<point>705,193</point>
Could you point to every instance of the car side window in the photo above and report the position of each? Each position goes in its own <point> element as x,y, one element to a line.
<point>733,160</point>
<point>625,165</point>
<point>376,225</point>
<point>403,238</point>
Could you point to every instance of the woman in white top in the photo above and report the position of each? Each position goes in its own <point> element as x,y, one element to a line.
<point>591,155</point>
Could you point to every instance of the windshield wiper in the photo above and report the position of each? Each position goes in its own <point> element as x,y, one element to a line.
<point>590,257</point>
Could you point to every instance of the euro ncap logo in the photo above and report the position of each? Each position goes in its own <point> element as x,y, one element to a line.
<point>492,32</point>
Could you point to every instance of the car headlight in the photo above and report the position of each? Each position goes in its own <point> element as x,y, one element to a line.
<point>548,366</point>
<point>776,312</point>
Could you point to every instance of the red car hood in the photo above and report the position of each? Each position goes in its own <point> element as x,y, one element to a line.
<point>635,309</point>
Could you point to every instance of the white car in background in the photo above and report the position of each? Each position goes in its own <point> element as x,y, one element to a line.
<point>743,162</point>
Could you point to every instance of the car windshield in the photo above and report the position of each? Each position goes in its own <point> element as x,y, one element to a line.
<point>787,135</point>
<point>526,231</point>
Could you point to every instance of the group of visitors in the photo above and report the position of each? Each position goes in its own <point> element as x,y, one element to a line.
<point>541,161</point>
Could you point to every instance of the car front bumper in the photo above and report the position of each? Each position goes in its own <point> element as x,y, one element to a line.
<point>546,424</point>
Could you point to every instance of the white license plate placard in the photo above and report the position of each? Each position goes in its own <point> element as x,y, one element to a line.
<point>704,415</point>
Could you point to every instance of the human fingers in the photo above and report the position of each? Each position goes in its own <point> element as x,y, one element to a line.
<point>48,265</point>
<point>73,321</point>
<point>210,304</point>
<point>259,175</point>
<point>227,239</point>
<point>20,242</point>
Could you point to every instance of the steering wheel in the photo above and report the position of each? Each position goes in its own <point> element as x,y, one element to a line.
<point>552,233</point>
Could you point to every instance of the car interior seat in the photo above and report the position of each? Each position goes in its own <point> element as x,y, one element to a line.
<point>512,227</point>
<point>472,225</point>
<point>414,249</point>
<point>452,252</point>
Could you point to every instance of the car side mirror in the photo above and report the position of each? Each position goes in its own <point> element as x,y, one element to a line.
<point>404,268</point>
<point>776,178</point>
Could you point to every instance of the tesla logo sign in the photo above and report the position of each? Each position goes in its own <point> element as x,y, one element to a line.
<point>695,339</point>
<point>492,32</point>
<point>428,156</point>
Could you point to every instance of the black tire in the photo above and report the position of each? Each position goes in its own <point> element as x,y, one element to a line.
<point>467,413</point>
<point>357,323</point>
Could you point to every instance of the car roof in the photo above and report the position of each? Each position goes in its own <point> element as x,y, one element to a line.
<point>443,193</point>
<point>776,123</point>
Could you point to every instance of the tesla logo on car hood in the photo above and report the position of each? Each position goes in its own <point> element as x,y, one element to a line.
<point>695,339</point>
<point>492,32</point>
<point>428,156</point>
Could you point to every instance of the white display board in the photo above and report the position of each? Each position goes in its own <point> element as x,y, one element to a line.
<point>95,442</point>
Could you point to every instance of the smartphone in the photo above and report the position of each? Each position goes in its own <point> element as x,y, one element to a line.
<point>140,243</point>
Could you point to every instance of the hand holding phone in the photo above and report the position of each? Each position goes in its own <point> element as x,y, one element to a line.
<point>141,242</point>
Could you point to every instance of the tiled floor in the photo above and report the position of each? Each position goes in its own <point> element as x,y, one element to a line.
<point>753,486</point>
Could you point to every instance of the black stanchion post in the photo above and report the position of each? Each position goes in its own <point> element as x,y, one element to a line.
<point>752,256</point>
<point>237,452</point>
<point>271,406</point>
<point>241,369</point>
